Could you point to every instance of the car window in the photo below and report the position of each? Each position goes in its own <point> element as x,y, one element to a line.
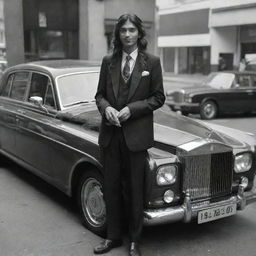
<point>7,87</point>
<point>41,87</point>
<point>253,81</point>
<point>77,88</point>
<point>244,81</point>
<point>19,85</point>
<point>220,80</point>
<point>49,98</point>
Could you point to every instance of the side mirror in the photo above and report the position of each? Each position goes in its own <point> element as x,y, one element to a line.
<point>38,101</point>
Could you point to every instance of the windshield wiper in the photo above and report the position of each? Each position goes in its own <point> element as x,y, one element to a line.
<point>78,102</point>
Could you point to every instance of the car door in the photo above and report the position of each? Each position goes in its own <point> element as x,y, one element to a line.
<point>34,122</point>
<point>253,92</point>
<point>245,91</point>
<point>12,95</point>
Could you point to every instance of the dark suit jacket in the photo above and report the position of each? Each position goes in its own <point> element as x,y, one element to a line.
<point>145,95</point>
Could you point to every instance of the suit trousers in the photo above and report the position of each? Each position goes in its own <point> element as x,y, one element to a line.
<point>123,183</point>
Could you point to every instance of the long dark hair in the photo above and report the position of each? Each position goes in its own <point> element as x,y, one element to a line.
<point>137,22</point>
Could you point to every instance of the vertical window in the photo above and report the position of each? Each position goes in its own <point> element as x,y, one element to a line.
<point>50,29</point>
<point>7,86</point>
<point>19,85</point>
<point>168,59</point>
<point>41,87</point>
<point>244,81</point>
<point>254,81</point>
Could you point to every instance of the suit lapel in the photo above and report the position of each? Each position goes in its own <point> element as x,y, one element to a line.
<point>136,76</point>
<point>115,75</point>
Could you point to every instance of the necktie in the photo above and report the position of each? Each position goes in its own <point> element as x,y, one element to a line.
<point>126,69</point>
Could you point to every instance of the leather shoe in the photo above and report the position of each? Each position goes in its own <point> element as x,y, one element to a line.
<point>106,245</point>
<point>134,249</point>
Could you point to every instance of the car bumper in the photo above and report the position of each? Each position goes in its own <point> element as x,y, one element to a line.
<point>188,211</point>
<point>184,106</point>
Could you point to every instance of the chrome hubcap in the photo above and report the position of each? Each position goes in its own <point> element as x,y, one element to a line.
<point>93,204</point>
<point>209,110</point>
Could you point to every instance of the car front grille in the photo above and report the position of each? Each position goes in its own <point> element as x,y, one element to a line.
<point>208,175</point>
<point>178,97</point>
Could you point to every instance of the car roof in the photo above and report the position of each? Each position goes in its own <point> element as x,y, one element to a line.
<point>58,67</point>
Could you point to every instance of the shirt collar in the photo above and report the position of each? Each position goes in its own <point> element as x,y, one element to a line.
<point>133,54</point>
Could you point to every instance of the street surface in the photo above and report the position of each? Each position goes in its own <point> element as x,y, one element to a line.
<point>38,220</point>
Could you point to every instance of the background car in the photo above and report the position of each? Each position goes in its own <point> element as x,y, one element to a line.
<point>221,92</point>
<point>49,124</point>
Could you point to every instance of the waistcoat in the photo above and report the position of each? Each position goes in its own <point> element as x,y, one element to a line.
<point>123,92</point>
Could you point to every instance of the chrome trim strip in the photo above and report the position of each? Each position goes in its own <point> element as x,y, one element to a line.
<point>197,143</point>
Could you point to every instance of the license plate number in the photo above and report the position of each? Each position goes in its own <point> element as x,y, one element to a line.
<point>216,213</point>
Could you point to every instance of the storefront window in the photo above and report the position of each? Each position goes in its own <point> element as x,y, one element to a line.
<point>50,29</point>
<point>51,45</point>
<point>168,59</point>
<point>194,60</point>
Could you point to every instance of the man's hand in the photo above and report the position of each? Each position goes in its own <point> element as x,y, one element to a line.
<point>124,114</point>
<point>112,116</point>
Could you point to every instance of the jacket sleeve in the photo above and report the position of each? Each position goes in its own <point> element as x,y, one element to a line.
<point>156,97</point>
<point>100,96</point>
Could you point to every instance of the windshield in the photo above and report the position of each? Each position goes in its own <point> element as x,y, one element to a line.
<point>77,88</point>
<point>220,80</point>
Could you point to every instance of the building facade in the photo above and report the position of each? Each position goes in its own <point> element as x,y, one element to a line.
<point>202,36</point>
<point>2,38</point>
<point>73,29</point>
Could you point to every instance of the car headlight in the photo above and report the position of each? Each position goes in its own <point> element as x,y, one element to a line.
<point>166,175</point>
<point>187,98</point>
<point>243,162</point>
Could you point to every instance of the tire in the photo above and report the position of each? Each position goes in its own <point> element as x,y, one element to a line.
<point>91,203</point>
<point>208,110</point>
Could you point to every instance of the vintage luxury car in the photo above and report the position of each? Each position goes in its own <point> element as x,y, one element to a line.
<point>221,92</point>
<point>49,124</point>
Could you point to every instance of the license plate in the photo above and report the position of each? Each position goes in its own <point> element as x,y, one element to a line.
<point>216,213</point>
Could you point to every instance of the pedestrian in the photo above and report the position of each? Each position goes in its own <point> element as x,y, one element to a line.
<point>130,88</point>
<point>242,65</point>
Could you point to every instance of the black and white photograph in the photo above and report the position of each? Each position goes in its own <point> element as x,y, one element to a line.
<point>128,127</point>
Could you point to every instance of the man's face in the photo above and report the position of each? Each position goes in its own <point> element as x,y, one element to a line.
<point>129,35</point>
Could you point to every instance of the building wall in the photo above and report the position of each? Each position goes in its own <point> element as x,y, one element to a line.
<point>223,41</point>
<point>2,29</point>
<point>13,32</point>
<point>231,26</point>
<point>94,30</point>
<point>97,43</point>
<point>83,30</point>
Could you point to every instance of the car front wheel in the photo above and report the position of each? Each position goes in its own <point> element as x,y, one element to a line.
<point>208,110</point>
<point>91,203</point>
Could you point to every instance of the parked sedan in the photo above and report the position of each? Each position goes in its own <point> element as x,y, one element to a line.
<point>49,124</point>
<point>221,92</point>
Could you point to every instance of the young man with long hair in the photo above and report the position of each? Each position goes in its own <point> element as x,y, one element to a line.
<point>130,88</point>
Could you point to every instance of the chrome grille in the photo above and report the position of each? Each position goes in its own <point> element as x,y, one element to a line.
<point>208,175</point>
<point>178,96</point>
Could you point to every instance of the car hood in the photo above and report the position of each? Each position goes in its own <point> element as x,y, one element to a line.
<point>170,129</point>
<point>193,89</point>
<point>176,130</point>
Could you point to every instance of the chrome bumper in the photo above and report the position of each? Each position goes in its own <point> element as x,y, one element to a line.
<point>187,211</point>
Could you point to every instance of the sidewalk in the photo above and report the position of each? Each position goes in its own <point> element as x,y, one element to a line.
<point>184,78</point>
